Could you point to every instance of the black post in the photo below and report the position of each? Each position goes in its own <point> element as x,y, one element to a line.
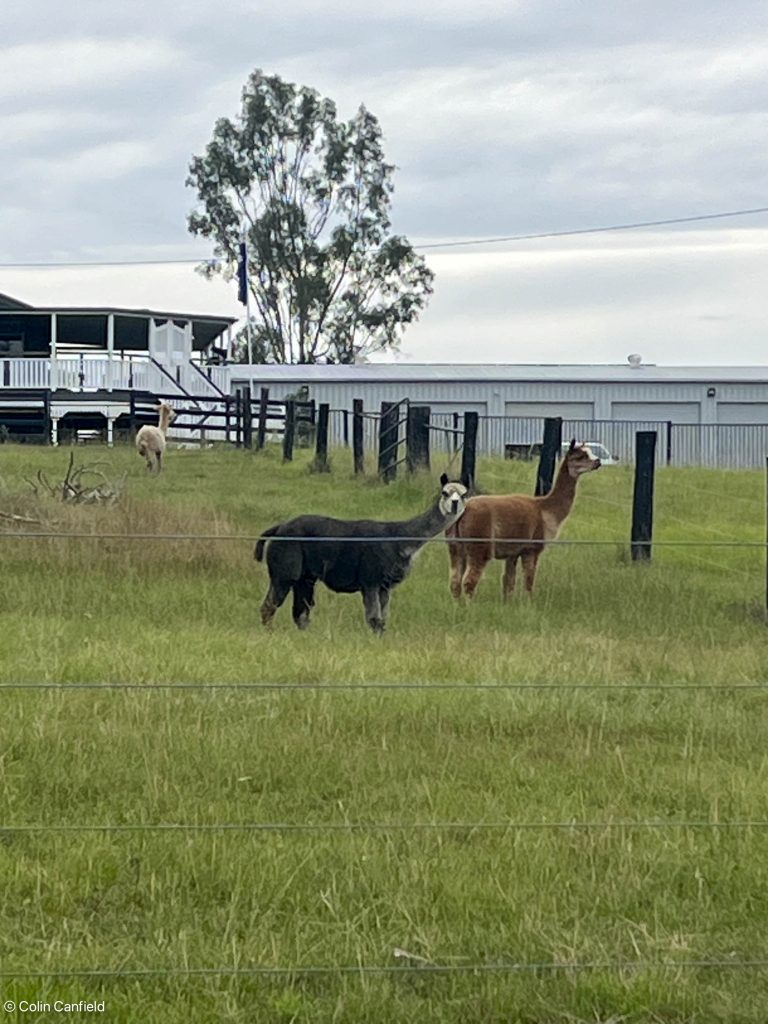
<point>389,424</point>
<point>47,417</point>
<point>346,428</point>
<point>357,435</point>
<point>642,503</point>
<point>469,449</point>
<point>417,437</point>
<point>247,417</point>
<point>550,449</point>
<point>6,374</point>
<point>290,430</point>
<point>227,401</point>
<point>261,434</point>
<point>321,443</point>
<point>238,421</point>
<point>669,442</point>
<point>132,415</point>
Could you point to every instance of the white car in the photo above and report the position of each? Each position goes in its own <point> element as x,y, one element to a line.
<point>598,450</point>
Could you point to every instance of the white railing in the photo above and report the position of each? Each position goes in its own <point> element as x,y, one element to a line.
<point>86,373</point>
<point>25,373</point>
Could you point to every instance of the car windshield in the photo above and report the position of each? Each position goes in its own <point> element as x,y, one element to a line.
<point>597,449</point>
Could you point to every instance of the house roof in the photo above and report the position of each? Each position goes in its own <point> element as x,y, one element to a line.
<point>8,302</point>
<point>205,328</point>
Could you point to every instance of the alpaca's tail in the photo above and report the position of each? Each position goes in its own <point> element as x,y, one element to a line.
<point>258,553</point>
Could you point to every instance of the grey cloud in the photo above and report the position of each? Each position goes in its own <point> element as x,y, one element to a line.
<point>502,119</point>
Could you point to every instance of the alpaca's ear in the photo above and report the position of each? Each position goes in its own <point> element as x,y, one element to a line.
<point>573,445</point>
<point>443,479</point>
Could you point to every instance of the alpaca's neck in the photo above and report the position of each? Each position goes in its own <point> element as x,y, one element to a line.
<point>164,418</point>
<point>428,524</point>
<point>560,498</point>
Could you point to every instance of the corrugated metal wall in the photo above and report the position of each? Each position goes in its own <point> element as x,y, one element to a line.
<point>618,410</point>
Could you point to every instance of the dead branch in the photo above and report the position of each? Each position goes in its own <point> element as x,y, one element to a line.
<point>12,517</point>
<point>82,485</point>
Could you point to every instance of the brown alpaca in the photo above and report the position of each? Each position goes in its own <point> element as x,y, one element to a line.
<point>508,521</point>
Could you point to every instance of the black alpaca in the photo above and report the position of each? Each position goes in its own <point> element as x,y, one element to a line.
<point>348,566</point>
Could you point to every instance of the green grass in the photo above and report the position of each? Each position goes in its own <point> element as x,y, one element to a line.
<point>145,611</point>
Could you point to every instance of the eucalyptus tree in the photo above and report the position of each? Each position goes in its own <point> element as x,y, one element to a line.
<point>311,195</point>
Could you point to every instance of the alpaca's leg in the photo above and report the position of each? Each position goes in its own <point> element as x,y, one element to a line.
<point>457,553</point>
<point>384,594</point>
<point>508,579</point>
<point>372,604</point>
<point>530,560</point>
<point>159,457</point>
<point>276,594</point>
<point>477,559</point>
<point>303,602</point>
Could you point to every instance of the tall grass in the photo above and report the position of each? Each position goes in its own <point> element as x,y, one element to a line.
<point>149,611</point>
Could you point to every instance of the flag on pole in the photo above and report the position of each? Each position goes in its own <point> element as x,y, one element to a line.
<point>242,274</point>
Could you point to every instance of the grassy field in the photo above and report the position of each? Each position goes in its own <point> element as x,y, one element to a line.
<point>186,611</point>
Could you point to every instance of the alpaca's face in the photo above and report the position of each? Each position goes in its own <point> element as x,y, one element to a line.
<point>167,413</point>
<point>580,459</point>
<point>453,499</point>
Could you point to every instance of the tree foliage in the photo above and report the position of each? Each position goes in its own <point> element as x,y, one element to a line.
<point>327,280</point>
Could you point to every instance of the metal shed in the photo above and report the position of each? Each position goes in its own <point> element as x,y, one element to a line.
<point>709,407</point>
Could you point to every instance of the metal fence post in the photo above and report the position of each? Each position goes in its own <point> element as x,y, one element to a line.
<point>261,432</point>
<point>358,454</point>
<point>642,501</point>
<point>469,449</point>
<point>321,442</point>
<point>247,417</point>
<point>389,425</point>
<point>290,430</point>
<point>550,449</point>
<point>417,437</point>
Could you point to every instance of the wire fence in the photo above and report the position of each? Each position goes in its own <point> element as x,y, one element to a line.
<point>398,539</point>
<point>404,962</point>
<point>707,445</point>
<point>461,687</point>
<point>408,964</point>
<point>377,826</point>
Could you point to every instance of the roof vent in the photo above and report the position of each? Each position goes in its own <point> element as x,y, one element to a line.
<point>635,360</point>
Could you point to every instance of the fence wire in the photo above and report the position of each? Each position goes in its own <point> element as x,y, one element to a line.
<point>466,687</point>
<point>379,826</point>
<point>251,539</point>
<point>405,967</point>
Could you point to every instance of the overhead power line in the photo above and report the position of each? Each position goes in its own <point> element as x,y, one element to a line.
<point>452,243</point>
<point>596,230</point>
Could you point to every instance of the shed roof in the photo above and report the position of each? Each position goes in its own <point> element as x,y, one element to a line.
<point>500,372</point>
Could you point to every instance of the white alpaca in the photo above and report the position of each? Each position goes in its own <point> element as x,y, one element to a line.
<point>150,441</point>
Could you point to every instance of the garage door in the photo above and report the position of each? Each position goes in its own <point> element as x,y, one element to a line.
<point>658,412</point>
<point>568,410</point>
<point>742,412</point>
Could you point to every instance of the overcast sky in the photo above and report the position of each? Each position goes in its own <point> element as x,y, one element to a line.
<point>502,118</point>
